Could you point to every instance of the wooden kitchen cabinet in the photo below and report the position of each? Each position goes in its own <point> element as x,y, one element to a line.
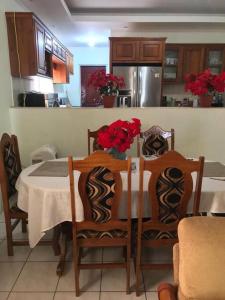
<point>151,51</point>
<point>172,72</point>
<point>136,50</point>
<point>69,62</point>
<point>32,45</point>
<point>40,48</point>
<point>48,41</point>
<point>124,50</point>
<point>193,59</point>
<point>215,58</point>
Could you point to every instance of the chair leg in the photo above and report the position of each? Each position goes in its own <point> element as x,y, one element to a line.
<point>76,269</point>
<point>24,226</point>
<point>128,269</point>
<point>9,237</point>
<point>138,270</point>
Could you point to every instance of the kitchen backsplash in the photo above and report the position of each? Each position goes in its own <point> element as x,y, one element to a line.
<point>176,91</point>
<point>35,83</point>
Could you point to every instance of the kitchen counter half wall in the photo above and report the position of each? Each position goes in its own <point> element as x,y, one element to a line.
<point>197,131</point>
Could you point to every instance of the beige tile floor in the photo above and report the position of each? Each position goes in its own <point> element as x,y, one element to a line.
<point>30,274</point>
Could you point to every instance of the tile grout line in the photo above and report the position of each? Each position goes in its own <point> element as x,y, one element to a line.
<point>18,276</point>
<point>56,287</point>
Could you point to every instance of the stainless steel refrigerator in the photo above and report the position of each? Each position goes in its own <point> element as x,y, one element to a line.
<point>142,85</point>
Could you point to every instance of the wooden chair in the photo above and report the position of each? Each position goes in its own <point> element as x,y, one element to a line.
<point>170,188</point>
<point>155,141</point>
<point>10,168</point>
<point>100,188</point>
<point>94,136</point>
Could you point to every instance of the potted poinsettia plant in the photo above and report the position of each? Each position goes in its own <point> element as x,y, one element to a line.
<point>205,85</point>
<point>118,136</point>
<point>107,85</point>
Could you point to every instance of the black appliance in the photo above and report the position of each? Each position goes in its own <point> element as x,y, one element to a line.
<point>33,99</point>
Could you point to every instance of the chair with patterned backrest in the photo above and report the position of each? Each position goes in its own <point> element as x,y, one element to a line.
<point>10,168</point>
<point>170,187</point>
<point>154,141</point>
<point>100,188</point>
<point>94,136</point>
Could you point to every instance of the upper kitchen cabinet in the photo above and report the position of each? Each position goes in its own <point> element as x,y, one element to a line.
<point>69,62</point>
<point>124,50</point>
<point>214,58</point>
<point>193,59</point>
<point>173,64</point>
<point>136,50</point>
<point>32,45</point>
<point>151,51</point>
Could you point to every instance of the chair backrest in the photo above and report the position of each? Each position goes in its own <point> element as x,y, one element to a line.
<point>10,166</point>
<point>100,186</point>
<point>155,141</point>
<point>94,136</point>
<point>170,186</point>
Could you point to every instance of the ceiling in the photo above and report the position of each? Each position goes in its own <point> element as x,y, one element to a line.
<point>90,22</point>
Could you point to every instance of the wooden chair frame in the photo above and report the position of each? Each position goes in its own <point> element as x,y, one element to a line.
<point>19,215</point>
<point>94,136</point>
<point>8,213</point>
<point>103,159</point>
<point>156,167</point>
<point>156,130</point>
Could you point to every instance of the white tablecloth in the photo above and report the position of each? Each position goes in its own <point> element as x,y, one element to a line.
<point>47,200</point>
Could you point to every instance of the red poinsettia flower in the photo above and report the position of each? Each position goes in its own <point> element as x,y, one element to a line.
<point>106,84</point>
<point>119,134</point>
<point>205,83</point>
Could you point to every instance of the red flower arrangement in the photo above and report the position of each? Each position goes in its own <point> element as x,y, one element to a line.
<point>106,84</point>
<point>119,135</point>
<point>205,83</point>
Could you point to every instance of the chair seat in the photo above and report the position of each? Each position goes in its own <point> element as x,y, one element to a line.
<point>86,234</point>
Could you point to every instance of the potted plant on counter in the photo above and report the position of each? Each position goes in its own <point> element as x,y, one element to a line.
<point>205,85</point>
<point>107,85</point>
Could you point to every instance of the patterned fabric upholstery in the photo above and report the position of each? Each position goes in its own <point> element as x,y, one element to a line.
<point>11,167</point>
<point>100,188</point>
<point>155,144</point>
<point>84,234</point>
<point>157,234</point>
<point>170,189</point>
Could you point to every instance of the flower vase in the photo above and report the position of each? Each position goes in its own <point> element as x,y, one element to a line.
<point>116,154</point>
<point>108,100</point>
<point>205,101</point>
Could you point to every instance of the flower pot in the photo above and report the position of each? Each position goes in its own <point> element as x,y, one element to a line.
<point>108,101</point>
<point>205,100</point>
<point>116,154</point>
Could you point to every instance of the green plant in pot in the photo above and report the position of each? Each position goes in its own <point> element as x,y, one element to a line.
<point>205,85</point>
<point>107,85</point>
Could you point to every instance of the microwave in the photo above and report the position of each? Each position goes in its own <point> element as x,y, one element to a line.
<point>38,100</point>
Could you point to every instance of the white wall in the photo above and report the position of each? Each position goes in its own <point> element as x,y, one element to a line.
<point>198,131</point>
<point>83,56</point>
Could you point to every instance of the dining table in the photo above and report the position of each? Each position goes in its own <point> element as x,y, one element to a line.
<point>44,193</point>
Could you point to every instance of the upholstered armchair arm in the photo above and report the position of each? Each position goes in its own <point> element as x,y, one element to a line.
<point>167,291</point>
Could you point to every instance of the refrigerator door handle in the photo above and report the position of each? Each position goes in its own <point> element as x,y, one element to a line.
<point>140,87</point>
<point>134,89</point>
